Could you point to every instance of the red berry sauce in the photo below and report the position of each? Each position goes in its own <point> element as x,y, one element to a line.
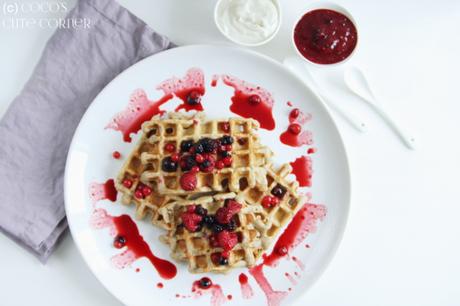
<point>191,86</point>
<point>246,289</point>
<point>136,247</point>
<point>105,191</point>
<point>205,286</point>
<point>302,169</point>
<point>251,101</point>
<point>325,36</point>
<point>295,135</point>
<point>139,110</point>
<point>116,155</point>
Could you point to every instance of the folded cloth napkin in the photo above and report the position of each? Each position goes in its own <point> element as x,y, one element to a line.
<point>37,129</point>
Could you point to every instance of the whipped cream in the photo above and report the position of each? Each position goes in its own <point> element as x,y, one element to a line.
<point>248,21</point>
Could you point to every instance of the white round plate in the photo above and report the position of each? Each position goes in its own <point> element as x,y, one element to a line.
<point>90,160</point>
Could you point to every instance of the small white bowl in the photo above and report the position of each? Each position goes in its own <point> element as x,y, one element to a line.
<point>329,6</point>
<point>216,18</point>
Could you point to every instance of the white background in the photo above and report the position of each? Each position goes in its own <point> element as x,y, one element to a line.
<point>401,245</point>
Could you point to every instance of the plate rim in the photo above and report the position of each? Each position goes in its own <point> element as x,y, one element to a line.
<point>342,224</point>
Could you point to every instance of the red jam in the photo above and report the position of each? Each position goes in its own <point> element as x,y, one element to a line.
<point>325,37</point>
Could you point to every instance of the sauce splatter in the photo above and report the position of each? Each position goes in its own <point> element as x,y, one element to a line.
<point>294,135</point>
<point>104,191</point>
<point>251,101</point>
<point>289,103</point>
<point>214,80</point>
<point>160,285</point>
<point>116,154</point>
<point>298,263</point>
<point>302,169</point>
<point>246,289</point>
<point>139,110</point>
<point>136,247</point>
<point>274,298</point>
<point>311,151</point>
<point>229,297</point>
<point>290,278</point>
<point>217,296</point>
<point>303,223</point>
<point>191,84</point>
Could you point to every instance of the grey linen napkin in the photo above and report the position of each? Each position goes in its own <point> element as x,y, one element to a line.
<point>37,129</point>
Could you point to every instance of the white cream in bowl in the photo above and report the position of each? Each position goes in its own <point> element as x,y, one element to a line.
<point>248,22</point>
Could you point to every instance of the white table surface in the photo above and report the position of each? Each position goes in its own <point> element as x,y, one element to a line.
<point>401,245</point>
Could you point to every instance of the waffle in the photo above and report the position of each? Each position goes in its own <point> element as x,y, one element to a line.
<point>144,164</point>
<point>195,247</point>
<point>269,221</point>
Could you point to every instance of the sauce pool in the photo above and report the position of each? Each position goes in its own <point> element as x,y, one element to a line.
<point>325,36</point>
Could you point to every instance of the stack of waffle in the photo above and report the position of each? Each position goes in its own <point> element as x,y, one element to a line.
<point>211,185</point>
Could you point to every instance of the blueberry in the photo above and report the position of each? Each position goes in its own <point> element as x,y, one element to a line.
<point>187,162</point>
<point>223,261</point>
<point>193,98</point>
<point>168,165</point>
<point>201,211</point>
<point>217,228</point>
<point>226,140</point>
<point>209,145</point>
<point>278,191</point>
<point>231,226</point>
<point>199,148</point>
<point>186,145</point>
<point>209,220</point>
<point>204,165</point>
<point>225,154</point>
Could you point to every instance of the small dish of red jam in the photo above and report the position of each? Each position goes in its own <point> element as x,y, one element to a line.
<point>325,36</point>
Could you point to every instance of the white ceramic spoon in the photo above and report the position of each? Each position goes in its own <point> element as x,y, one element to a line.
<point>357,82</point>
<point>292,64</point>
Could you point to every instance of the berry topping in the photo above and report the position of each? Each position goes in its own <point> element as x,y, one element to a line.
<point>220,164</point>
<point>227,240</point>
<point>226,213</point>
<point>295,128</point>
<point>127,183</point>
<point>193,98</point>
<point>188,181</point>
<point>119,242</point>
<point>198,148</point>
<point>231,226</point>
<point>209,220</point>
<point>201,211</point>
<point>187,162</point>
<point>169,147</point>
<point>205,283</point>
<point>168,165</point>
<point>242,141</point>
<point>294,113</point>
<point>146,190</point>
<point>207,165</point>
<point>215,258</point>
<point>217,228</point>
<point>209,145</point>
<point>199,158</point>
<point>191,221</point>
<point>228,148</point>
<point>116,155</point>
<point>139,194</point>
<point>225,154</point>
<point>186,145</point>
<point>278,191</point>
<point>223,261</point>
<point>227,161</point>
<point>175,157</point>
<point>195,169</point>
<point>254,100</point>
<point>213,241</point>
<point>269,201</point>
<point>226,140</point>
<point>225,126</point>
<point>191,208</point>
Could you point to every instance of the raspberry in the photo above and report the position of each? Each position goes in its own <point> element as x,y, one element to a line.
<point>213,241</point>
<point>295,128</point>
<point>195,169</point>
<point>228,148</point>
<point>191,221</point>
<point>226,213</point>
<point>188,181</point>
<point>191,208</point>
<point>227,240</point>
<point>269,201</point>
<point>127,183</point>
<point>187,162</point>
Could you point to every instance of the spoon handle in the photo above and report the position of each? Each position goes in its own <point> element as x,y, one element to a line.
<point>409,141</point>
